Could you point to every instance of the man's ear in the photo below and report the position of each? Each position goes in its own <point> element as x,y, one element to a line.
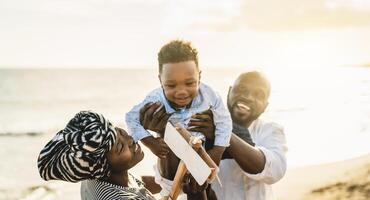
<point>228,94</point>
<point>267,103</point>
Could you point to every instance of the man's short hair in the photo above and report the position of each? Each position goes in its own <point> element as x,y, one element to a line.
<point>177,51</point>
<point>258,77</point>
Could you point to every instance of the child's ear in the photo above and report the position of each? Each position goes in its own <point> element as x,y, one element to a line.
<point>159,78</point>
<point>200,75</point>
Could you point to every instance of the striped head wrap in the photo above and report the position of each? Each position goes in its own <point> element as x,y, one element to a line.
<point>78,151</point>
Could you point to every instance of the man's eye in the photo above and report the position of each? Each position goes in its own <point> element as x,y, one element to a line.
<point>239,89</point>
<point>260,95</point>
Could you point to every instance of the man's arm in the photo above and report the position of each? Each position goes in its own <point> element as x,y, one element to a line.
<point>266,161</point>
<point>250,158</point>
<point>270,148</point>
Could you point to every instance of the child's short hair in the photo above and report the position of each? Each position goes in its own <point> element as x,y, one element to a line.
<point>177,51</point>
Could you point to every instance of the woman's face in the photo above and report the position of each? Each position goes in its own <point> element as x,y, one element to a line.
<point>125,153</point>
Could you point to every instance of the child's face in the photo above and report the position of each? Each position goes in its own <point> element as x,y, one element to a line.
<point>180,82</point>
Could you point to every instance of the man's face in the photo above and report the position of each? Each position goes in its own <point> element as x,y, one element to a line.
<point>180,82</point>
<point>247,99</point>
<point>125,153</point>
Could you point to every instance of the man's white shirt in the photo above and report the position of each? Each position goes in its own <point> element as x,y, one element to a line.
<point>269,137</point>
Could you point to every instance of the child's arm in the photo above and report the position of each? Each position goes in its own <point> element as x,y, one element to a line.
<point>139,133</point>
<point>223,123</point>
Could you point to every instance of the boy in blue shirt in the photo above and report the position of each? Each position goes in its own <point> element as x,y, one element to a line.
<point>181,95</point>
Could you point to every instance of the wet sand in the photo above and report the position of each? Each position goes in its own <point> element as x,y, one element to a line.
<point>349,179</point>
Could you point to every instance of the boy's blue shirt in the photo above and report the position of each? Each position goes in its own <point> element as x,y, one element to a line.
<point>206,99</point>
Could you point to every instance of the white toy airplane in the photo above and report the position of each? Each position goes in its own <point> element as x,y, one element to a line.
<point>193,158</point>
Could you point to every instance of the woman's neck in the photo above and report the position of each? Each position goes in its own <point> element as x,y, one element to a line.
<point>120,178</point>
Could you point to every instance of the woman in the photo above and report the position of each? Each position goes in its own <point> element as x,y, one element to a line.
<point>90,149</point>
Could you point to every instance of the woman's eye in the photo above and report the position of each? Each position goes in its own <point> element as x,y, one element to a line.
<point>170,86</point>
<point>119,147</point>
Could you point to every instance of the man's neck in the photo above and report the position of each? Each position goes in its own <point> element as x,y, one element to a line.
<point>245,124</point>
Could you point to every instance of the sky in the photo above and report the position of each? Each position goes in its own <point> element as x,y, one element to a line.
<point>227,33</point>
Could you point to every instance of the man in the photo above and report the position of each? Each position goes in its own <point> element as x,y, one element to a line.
<point>251,166</point>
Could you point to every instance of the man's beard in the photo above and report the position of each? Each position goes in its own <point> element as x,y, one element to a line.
<point>241,113</point>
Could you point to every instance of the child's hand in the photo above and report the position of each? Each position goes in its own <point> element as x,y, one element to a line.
<point>157,146</point>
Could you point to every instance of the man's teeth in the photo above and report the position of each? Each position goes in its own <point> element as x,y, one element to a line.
<point>241,105</point>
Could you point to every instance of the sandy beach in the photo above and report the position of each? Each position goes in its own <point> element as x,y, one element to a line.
<point>349,179</point>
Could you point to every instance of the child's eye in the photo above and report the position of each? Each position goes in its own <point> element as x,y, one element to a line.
<point>191,83</point>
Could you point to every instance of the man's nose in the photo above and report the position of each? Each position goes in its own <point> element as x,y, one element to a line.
<point>247,97</point>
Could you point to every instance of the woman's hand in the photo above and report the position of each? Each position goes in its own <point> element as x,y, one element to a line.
<point>152,120</point>
<point>203,123</point>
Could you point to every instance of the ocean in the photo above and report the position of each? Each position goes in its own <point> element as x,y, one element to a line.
<point>325,111</point>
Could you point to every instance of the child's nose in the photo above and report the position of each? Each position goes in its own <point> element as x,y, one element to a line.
<point>181,91</point>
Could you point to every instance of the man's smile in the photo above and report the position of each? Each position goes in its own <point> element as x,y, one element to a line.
<point>242,108</point>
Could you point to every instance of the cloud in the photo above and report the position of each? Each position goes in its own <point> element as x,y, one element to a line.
<point>298,15</point>
<point>267,15</point>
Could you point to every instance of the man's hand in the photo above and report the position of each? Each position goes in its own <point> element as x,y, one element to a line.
<point>157,146</point>
<point>203,123</point>
<point>154,121</point>
<point>191,187</point>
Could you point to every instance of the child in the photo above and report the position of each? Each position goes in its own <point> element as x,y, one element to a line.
<point>182,95</point>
